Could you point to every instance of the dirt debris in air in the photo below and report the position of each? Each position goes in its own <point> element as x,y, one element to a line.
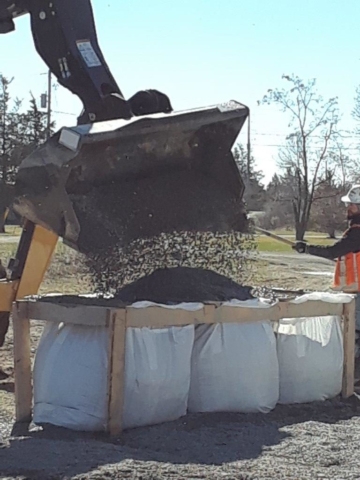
<point>226,254</point>
<point>164,223</point>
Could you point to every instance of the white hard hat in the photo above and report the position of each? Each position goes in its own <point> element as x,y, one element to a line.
<point>353,196</point>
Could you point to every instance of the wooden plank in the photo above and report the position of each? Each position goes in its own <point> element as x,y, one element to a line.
<point>117,338</point>
<point>159,317</point>
<point>73,314</point>
<point>22,364</point>
<point>311,308</point>
<point>8,290</point>
<point>349,349</point>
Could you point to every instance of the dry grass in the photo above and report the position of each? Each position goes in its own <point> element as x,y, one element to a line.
<point>12,230</point>
<point>66,273</point>
<point>287,276</point>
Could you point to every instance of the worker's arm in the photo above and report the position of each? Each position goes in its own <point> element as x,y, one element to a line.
<point>349,243</point>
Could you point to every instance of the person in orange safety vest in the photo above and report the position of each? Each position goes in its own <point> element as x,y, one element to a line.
<point>346,251</point>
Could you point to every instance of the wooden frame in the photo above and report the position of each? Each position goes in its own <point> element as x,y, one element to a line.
<point>118,320</point>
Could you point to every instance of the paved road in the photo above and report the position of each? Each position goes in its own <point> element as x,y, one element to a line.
<point>9,238</point>
<point>297,258</point>
<point>307,263</point>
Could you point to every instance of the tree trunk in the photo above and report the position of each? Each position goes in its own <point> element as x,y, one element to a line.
<point>2,221</point>
<point>4,326</point>
<point>300,230</point>
<point>331,232</point>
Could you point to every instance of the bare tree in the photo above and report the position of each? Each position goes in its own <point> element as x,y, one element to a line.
<point>278,206</point>
<point>254,195</point>
<point>345,167</point>
<point>328,212</point>
<point>10,124</point>
<point>313,122</point>
<point>356,110</point>
<point>20,133</point>
<point>9,135</point>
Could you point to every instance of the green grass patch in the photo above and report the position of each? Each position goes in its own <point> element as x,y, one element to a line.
<point>268,244</point>
<point>291,232</point>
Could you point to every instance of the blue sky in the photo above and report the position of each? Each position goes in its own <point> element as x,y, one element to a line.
<point>203,52</point>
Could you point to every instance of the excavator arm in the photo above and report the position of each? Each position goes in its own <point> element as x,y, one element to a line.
<point>65,38</point>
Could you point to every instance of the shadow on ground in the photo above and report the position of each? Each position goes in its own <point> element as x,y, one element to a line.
<point>203,439</point>
<point>7,387</point>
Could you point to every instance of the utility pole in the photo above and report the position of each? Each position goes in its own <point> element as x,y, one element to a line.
<point>248,147</point>
<point>49,106</point>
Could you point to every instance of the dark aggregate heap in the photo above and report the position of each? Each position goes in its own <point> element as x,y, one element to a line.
<point>183,284</point>
<point>175,285</point>
<point>167,286</point>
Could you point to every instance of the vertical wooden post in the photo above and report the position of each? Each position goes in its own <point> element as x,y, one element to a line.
<point>349,349</point>
<point>22,363</point>
<point>117,337</point>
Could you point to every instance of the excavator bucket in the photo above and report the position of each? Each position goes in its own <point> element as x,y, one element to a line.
<point>111,182</point>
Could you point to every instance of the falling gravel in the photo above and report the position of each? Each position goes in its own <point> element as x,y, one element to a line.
<point>226,254</point>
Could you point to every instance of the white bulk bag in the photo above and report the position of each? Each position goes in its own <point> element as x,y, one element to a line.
<point>70,377</point>
<point>234,367</point>
<point>310,352</point>
<point>71,374</point>
<point>157,375</point>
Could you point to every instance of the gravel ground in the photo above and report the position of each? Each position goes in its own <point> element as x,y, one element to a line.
<point>315,441</point>
<point>298,442</point>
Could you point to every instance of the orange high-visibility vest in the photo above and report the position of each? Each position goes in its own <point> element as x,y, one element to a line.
<point>347,271</point>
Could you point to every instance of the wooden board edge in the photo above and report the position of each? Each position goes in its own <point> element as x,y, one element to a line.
<point>349,322</point>
<point>116,370</point>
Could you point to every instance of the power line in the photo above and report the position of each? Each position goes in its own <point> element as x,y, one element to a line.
<point>65,113</point>
<point>49,105</point>
<point>286,135</point>
<point>282,146</point>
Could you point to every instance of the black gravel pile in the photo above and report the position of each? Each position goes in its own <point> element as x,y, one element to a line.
<point>175,285</point>
<point>171,286</point>
<point>168,286</point>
